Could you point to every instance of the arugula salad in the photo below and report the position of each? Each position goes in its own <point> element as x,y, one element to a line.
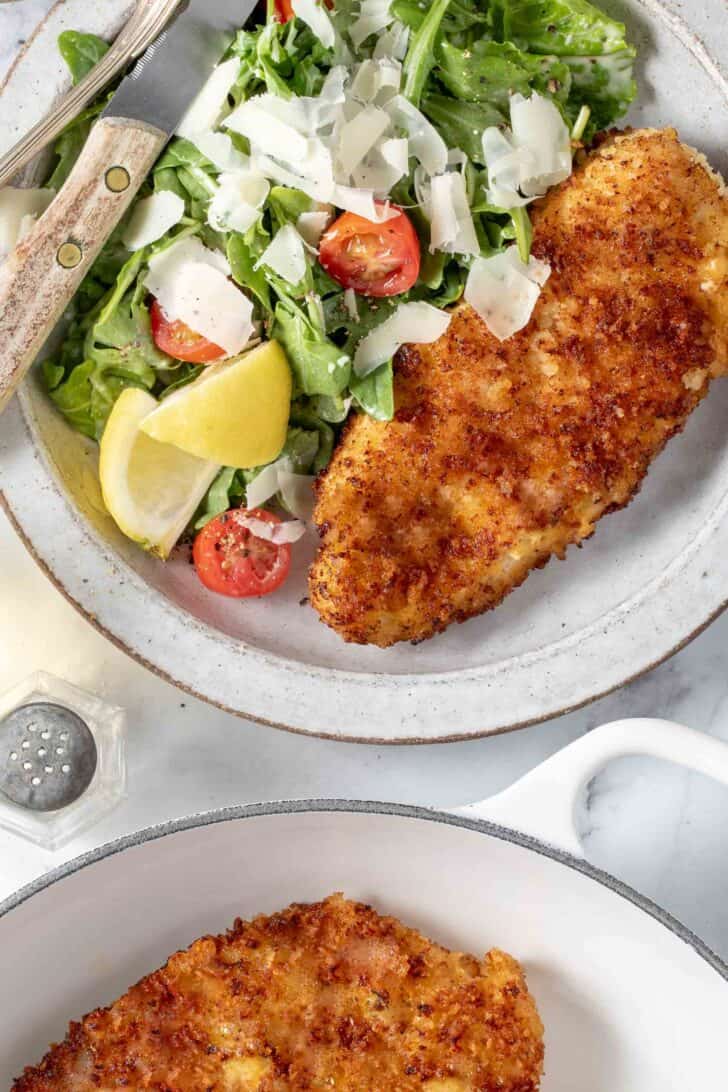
<point>350,170</point>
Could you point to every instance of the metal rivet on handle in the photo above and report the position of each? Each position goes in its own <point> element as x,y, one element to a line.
<point>117,179</point>
<point>36,783</point>
<point>69,255</point>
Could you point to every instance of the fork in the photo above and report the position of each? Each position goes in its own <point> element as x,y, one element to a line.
<point>146,23</point>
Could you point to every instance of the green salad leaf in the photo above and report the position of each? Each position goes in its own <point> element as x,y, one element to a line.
<point>81,52</point>
<point>464,60</point>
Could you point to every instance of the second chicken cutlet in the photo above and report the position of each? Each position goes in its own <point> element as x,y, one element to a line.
<point>502,454</point>
<point>326,996</point>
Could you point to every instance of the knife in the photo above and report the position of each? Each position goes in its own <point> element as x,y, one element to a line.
<point>40,277</point>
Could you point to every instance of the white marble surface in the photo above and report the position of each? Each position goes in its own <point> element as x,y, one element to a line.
<point>660,829</point>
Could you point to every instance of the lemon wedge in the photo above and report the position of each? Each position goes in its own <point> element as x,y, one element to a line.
<point>235,413</point>
<point>150,489</point>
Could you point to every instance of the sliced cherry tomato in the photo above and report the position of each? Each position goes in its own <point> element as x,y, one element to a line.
<point>233,561</point>
<point>177,340</point>
<point>374,259</point>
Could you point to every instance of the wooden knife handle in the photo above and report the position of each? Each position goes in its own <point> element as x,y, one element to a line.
<point>41,275</point>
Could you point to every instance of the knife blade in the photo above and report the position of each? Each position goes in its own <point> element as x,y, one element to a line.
<point>40,277</point>
<point>167,78</point>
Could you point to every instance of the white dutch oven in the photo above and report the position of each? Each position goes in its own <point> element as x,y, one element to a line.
<point>632,1002</point>
<point>633,595</point>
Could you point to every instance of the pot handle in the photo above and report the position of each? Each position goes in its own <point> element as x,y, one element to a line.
<point>543,803</point>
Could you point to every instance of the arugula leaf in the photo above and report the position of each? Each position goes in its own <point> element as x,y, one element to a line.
<point>461,123</point>
<point>592,45</point>
<point>491,72</point>
<point>304,415</point>
<point>604,83</point>
<point>461,16</point>
<point>226,491</point>
<point>242,264</point>
<point>375,392</point>
<point>318,366</point>
<point>287,204</point>
<point>81,52</point>
<point>562,27</point>
<point>420,54</point>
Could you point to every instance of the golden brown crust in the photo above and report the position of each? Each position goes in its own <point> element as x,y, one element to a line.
<point>501,455</point>
<point>330,995</point>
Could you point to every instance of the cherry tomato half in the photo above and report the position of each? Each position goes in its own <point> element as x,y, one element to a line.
<point>374,259</point>
<point>177,340</point>
<point>230,560</point>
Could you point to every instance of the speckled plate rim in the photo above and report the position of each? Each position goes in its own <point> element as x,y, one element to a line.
<point>368,707</point>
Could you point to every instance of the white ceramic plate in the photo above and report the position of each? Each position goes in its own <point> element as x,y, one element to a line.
<point>649,580</point>
<point>630,1000</point>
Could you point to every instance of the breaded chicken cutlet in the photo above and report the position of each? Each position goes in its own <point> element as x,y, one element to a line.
<point>502,454</point>
<point>329,995</point>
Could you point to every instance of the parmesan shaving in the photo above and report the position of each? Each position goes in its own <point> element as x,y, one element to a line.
<point>452,228</point>
<point>311,225</point>
<point>351,304</point>
<point>358,136</point>
<point>525,161</point>
<point>374,16</point>
<point>425,143</point>
<point>277,533</point>
<point>314,15</point>
<point>297,493</point>
<point>537,125</point>
<point>393,43</point>
<point>191,284</point>
<point>152,218</point>
<point>415,323</point>
<point>19,209</point>
<point>211,102</point>
<point>363,204</point>
<point>265,485</point>
<point>285,255</point>
<point>238,200</point>
<point>503,290</point>
<point>220,150</point>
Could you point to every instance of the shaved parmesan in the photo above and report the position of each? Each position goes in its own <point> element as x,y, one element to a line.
<point>375,81</point>
<point>393,43</point>
<point>320,189</point>
<point>189,249</point>
<point>451,223</point>
<point>534,155</point>
<point>415,323</point>
<point>537,125</point>
<point>206,109</point>
<point>238,200</point>
<point>314,15</point>
<point>297,493</point>
<point>363,204</point>
<point>351,304</point>
<point>425,143</point>
<point>374,15</point>
<point>265,485</point>
<point>285,255</point>
<point>19,209</point>
<point>277,533</point>
<point>269,128</point>
<point>395,152</point>
<point>152,217</point>
<point>312,225</point>
<point>358,136</point>
<point>220,150</point>
<point>190,282</point>
<point>503,290</point>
